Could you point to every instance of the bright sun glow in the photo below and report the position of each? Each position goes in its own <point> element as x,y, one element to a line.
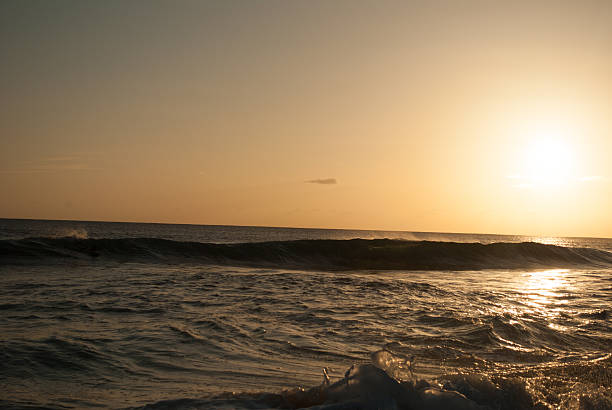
<point>548,157</point>
<point>548,161</point>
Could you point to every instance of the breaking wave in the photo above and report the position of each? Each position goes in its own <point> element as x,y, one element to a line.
<point>388,383</point>
<point>353,254</point>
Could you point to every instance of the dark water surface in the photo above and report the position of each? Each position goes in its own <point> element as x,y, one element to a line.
<point>85,330</point>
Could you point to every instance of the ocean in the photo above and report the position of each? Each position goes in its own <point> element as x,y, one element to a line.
<point>159,316</point>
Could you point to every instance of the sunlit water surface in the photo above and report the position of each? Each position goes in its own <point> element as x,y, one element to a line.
<point>132,334</point>
<point>84,334</point>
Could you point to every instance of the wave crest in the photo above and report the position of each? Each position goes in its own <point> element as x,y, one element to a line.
<point>353,254</point>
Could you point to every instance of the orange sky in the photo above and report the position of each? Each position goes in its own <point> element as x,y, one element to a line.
<point>471,116</point>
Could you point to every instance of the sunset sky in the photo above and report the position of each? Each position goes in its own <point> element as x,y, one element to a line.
<point>448,116</point>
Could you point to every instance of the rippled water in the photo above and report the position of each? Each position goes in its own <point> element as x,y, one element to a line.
<point>135,334</point>
<point>114,334</point>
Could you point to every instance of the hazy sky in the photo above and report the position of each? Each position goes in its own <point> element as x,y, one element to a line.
<point>452,116</point>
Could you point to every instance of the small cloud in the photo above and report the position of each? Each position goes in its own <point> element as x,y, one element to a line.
<point>324,181</point>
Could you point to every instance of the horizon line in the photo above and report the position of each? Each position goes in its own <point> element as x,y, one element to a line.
<point>301,227</point>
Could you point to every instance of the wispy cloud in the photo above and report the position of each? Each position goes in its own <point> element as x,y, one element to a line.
<point>591,178</point>
<point>77,162</point>
<point>520,181</point>
<point>323,181</point>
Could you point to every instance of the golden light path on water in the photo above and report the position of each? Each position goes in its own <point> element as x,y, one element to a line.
<point>544,291</point>
<point>542,286</point>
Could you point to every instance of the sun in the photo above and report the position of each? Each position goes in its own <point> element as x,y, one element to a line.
<point>546,155</point>
<point>548,160</point>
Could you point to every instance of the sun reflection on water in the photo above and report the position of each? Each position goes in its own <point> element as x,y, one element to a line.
<point>544,289</point>
<point>551,241</point>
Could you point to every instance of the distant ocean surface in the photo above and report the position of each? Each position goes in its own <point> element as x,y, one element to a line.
<point>159,316</point>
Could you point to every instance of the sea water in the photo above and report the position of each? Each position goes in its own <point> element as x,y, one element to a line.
<point>183,316</point>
